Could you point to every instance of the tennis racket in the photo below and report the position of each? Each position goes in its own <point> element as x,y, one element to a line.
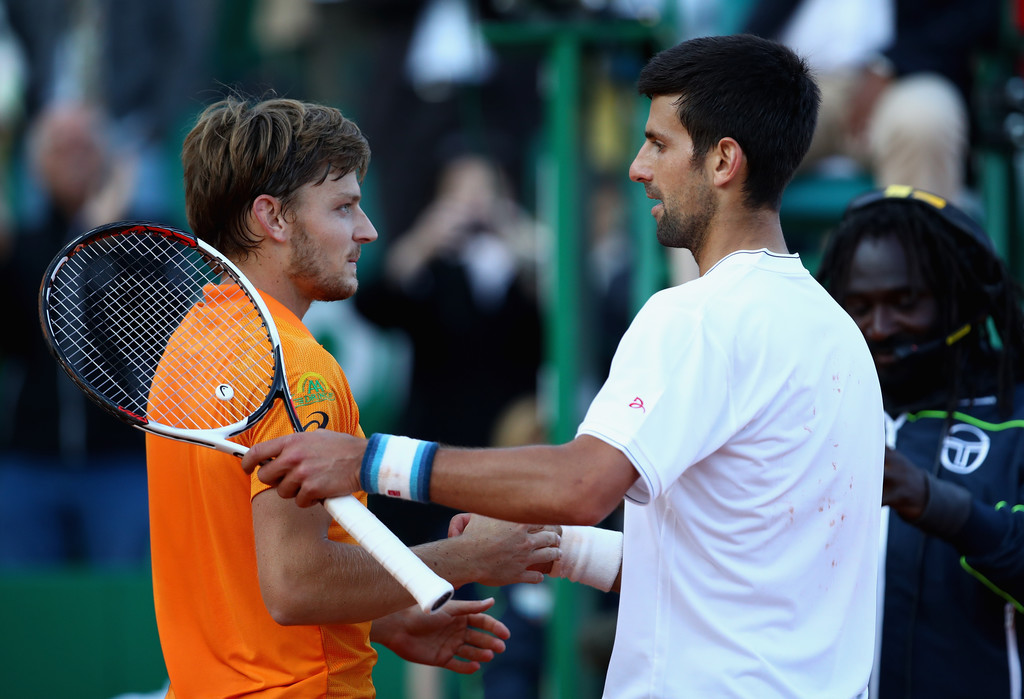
<point>167,335</point>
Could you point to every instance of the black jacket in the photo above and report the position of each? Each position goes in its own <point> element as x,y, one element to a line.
<point>954,596</point>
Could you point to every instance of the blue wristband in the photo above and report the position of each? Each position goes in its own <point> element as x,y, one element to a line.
<point>398,467</point>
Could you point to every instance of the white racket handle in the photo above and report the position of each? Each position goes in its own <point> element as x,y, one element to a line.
<point>430,590</point>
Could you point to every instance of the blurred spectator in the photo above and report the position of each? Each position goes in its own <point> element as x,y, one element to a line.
<point>72,478</point>
<point>461,285</point>
<point>12,67</point>
<point>362,58</point>
<point>610,271</point>
<point>895,77</point>
<point>140,61</point>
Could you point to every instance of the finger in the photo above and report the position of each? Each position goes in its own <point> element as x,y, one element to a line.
<point>287,487</point>
<point>475,638</point>
<point>544,568</point>
<point>483,622</point>
<point>549,554</point>
<point>533,528</point>
<point>463,607</point>
<point>528,575</point>
<point>473,653</point>
<point>260,453</point>
<point>305,497</point>
<point>270,473</point>
<point>545,539</point>
<point>461,666</point>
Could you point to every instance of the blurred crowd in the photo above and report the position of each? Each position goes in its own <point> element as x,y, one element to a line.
<point>97,95</point>
<point>446,339</point>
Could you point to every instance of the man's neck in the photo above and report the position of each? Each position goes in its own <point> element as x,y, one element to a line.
<point>272,279</point>
<point>741,230</point>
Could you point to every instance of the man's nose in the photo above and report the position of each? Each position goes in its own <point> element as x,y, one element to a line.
<point>365,231</point>
<point>879,323</point>
<point>638,170</point>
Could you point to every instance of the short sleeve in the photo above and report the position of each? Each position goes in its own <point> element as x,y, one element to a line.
<point>666,403</point>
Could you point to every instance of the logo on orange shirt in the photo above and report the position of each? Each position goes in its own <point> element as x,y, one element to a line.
<point>313,389</point>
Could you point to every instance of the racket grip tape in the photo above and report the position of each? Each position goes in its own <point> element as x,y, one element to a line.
<point>398,467</point>
<point>429,589</point>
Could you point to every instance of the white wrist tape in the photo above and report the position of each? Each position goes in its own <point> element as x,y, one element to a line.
<point>398,467</point>
<point>590,555</point>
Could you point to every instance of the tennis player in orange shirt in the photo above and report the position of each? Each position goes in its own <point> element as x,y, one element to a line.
<point>255,595</point>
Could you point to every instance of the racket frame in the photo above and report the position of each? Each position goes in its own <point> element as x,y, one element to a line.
<point>430,591</point>
<point>212,437</point>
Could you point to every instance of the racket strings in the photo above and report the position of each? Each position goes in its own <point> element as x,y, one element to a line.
<point>221,349</point>
<point>162,331</point>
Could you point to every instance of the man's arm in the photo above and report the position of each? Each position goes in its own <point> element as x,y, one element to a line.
<point>579,482</point>
<point>306,578</point>
<point>990,538</point>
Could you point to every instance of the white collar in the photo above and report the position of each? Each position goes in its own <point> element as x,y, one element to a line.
<point>762,252</point>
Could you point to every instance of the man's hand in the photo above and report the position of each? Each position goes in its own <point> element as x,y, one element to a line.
<point>309,466</point>
<point>505,552</point>
<point>904,486</point>
<point>458,637</point>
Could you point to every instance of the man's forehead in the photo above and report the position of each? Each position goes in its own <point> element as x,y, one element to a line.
<point>663,119</point>
<point>879,264</point>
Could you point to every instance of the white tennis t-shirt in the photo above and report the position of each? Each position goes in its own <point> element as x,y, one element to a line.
<point>749,405</point>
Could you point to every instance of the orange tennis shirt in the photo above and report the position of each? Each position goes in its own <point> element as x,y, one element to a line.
<point>217,637</point>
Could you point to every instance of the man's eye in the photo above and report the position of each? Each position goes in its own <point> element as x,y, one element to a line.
<point>906,302</point>
<point>856,307</point>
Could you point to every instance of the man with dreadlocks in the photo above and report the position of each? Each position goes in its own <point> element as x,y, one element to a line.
<point>943,321</point>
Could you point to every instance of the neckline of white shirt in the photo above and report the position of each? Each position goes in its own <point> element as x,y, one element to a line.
<point>761,251</point>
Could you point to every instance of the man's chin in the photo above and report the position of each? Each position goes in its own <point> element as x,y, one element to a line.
<point>908,382</point>
<point>338,293</point>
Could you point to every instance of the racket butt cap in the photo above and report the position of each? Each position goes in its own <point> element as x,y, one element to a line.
<point>440,602</point>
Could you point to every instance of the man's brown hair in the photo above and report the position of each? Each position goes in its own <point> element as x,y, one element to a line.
<point>241,149</point>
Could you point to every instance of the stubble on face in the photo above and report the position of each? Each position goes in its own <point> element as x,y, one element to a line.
<point>688,229</point>
<point>308,267</point>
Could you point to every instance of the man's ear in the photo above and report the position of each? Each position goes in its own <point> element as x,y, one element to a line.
<point>726,161</point>
<point>268,215</point>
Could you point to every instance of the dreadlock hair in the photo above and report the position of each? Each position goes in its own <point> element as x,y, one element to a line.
<point>950,256</point>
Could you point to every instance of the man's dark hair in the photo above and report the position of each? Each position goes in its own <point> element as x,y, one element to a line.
<point>753,90</point>
<point>949,256</point>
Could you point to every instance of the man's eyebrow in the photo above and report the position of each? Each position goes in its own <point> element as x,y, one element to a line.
<point>350,195</point>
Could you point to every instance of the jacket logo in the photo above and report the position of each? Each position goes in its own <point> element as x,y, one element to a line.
<point>313,389</point>
<point>964,449</point>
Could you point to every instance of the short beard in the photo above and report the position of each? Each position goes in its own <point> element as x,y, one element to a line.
<point>305,266</point>
<point>913,379</point>
<point>689,231</point>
